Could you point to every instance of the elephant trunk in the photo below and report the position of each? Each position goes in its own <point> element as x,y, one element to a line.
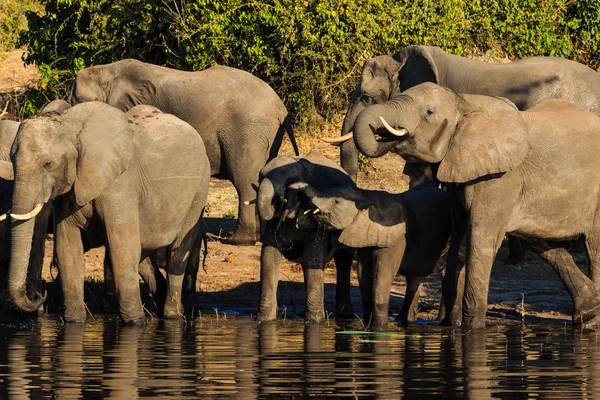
<point>372,120</point>
<point>348,151</point>
<point>21,242</point>
<point>264,200</point>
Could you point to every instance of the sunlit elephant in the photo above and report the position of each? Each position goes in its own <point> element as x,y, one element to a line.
<point>404,233</point>
<point>135,183</point>
<point>524,82</point>
<point>291,232</point>
<point>8,131</point>
<point>240,118</point>
<point>533,174</point>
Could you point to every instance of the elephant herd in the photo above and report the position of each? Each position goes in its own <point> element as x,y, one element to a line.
<point>490,149</point>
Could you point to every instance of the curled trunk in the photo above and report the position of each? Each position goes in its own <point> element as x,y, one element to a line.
<point>264,201</point>
<point>367,124</point>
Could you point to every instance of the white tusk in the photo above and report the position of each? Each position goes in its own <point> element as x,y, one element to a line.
<point>307,211</point>
<point>248,202</point>
<point>4,216</point>
<point>395,132</point>
<point>33,213</point>
<point>340,139</point>
<point>316,211</point>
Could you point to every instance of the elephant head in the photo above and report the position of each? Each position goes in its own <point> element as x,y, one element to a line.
<point>365,218</point>
<point>276,195</point>
<point>122,84</point>
<point>77,153</point>
<point>464,136</point>
<point>383,78</point>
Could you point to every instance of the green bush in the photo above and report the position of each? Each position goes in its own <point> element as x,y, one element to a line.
<point>310,51</point>
<point>12,20</point>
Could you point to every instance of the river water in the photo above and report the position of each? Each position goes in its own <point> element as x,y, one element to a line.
<point>239,358</point>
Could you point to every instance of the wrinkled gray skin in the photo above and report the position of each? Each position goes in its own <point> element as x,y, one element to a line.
<point>295,235</point>
<point>240,118</point>
<point>525,82</point>
<point>8,131</point>
<point>135,183</point>
<point>403,233</point>
<point>508,172</point>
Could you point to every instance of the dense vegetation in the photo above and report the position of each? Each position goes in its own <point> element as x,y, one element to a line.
<point>309,51</point>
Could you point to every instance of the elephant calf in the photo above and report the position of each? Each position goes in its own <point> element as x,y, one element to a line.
<point>291,232</point>
<point>404,233</point>
<point>134,182</point>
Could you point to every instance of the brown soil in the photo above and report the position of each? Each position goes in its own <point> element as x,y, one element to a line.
<point>231,280</point>
<point>13,73</point>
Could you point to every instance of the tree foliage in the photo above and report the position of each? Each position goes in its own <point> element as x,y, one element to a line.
<point>310,51</point>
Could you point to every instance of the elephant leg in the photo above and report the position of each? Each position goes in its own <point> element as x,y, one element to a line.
<point>482,245</point>
<point>110,290</point>
<point>193,264</point>
<point>313,266</point>
<point>124,247</point>
<point>176,269</point>
<point>410,307</point>
<point>343,265</point>
<point>365,282</point>
<point>453,279</point>
<point>69,254</point>
<point>592,244</point>
<point>157,284</point>
<point>270,258</point>
<point>245,179</point>
<point>385,264</point>
<point>583,291</point>
<point>516,251</point>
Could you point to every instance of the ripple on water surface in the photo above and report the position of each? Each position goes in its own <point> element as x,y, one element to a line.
<point>242,359</point>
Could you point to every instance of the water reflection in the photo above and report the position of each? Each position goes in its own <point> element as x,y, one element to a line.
<point>245,360</point>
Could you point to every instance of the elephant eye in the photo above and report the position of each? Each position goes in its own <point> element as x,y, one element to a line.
<point>428,112</point>
<point>48,164</point>
<point>367,99</point>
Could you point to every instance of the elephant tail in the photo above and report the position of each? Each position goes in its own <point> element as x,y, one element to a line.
<point>205,254</point>
<point>287,124</point>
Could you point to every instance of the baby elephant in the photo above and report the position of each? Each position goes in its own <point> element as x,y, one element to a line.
<point>290,231</point>
<point>404,233</point>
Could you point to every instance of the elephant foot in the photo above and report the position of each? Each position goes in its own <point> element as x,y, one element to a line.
<point>242,238</point>
<point>75,315</point>
<point>134,322</point>
<point>263,317</point>
<point>345,311</point>
<point>314,317</point>
<point>172,312</point>
<point>589,318</point>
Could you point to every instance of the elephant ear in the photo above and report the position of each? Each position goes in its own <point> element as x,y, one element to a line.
<point>6,171</point>
<point>105,150</point>
<point>370,230</point>
<point>418,66</point>
<point>490,138</point>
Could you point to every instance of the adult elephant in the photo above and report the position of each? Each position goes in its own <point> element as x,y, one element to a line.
<point>136,183</point>
<point>290,231</point>
<point>8,132</point>
<point>525,82</point>
<point>533,174</point>
<point>240,118</point>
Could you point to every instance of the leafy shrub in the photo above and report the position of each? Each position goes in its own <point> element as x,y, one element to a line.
<point>311,52</point>
<point>12,20</point>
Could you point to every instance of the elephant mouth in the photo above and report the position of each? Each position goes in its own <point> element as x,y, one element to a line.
<point>382,135</point>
